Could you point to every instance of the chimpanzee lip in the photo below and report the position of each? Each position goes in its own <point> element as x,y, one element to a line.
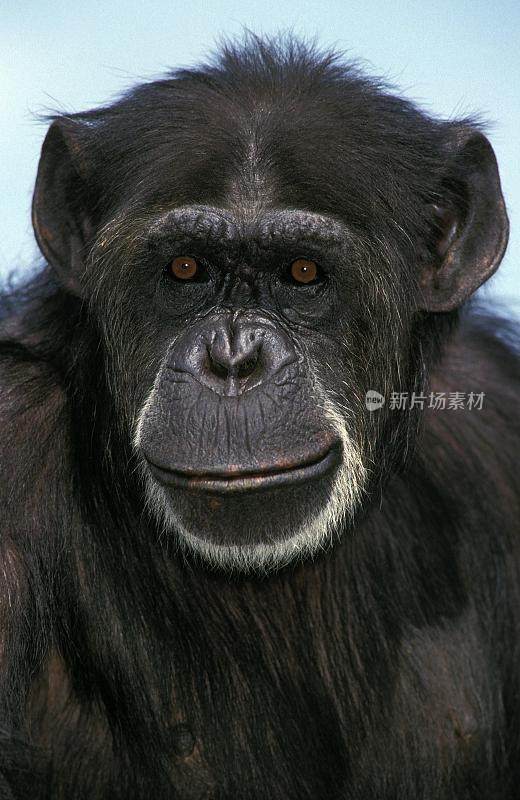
<point>237,480</point>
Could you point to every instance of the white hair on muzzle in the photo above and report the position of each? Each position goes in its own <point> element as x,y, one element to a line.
<point>316,534</point>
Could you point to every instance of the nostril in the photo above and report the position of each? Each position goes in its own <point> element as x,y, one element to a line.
<point>225,365</point>
<point>220,370</point>
<point>248,366</point>
<point>216,366</point>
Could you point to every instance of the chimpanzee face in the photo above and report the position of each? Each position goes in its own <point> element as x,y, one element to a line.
<point>254,260</point>
<point>248,437</point>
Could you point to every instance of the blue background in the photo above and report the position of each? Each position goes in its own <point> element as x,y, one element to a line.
<point>453,57</point>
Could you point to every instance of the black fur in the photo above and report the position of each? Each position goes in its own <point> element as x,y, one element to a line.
<point>386,667</point>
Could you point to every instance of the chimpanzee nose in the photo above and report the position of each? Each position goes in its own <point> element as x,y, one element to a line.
<point>232,353</point>
<point>235,355</point>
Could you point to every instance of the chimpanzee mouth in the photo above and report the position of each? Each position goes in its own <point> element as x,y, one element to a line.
<point>236,479</point>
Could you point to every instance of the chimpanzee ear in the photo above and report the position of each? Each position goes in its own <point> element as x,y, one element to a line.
<point>472,227</point>
<point>60,211</point>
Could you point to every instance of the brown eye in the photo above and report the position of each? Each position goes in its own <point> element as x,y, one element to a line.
<point>304,271</point>
<point>184,268</point>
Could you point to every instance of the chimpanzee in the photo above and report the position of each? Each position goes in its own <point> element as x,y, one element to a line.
<point>260,484</point>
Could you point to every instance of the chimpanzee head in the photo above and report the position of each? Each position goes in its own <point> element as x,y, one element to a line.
<point>260,242</point>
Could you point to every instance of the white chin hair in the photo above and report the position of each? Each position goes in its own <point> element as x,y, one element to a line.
<point>303,542</point>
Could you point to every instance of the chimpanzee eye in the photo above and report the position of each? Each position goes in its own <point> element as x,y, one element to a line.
<point>303,270</point>
<point>184,268</point>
